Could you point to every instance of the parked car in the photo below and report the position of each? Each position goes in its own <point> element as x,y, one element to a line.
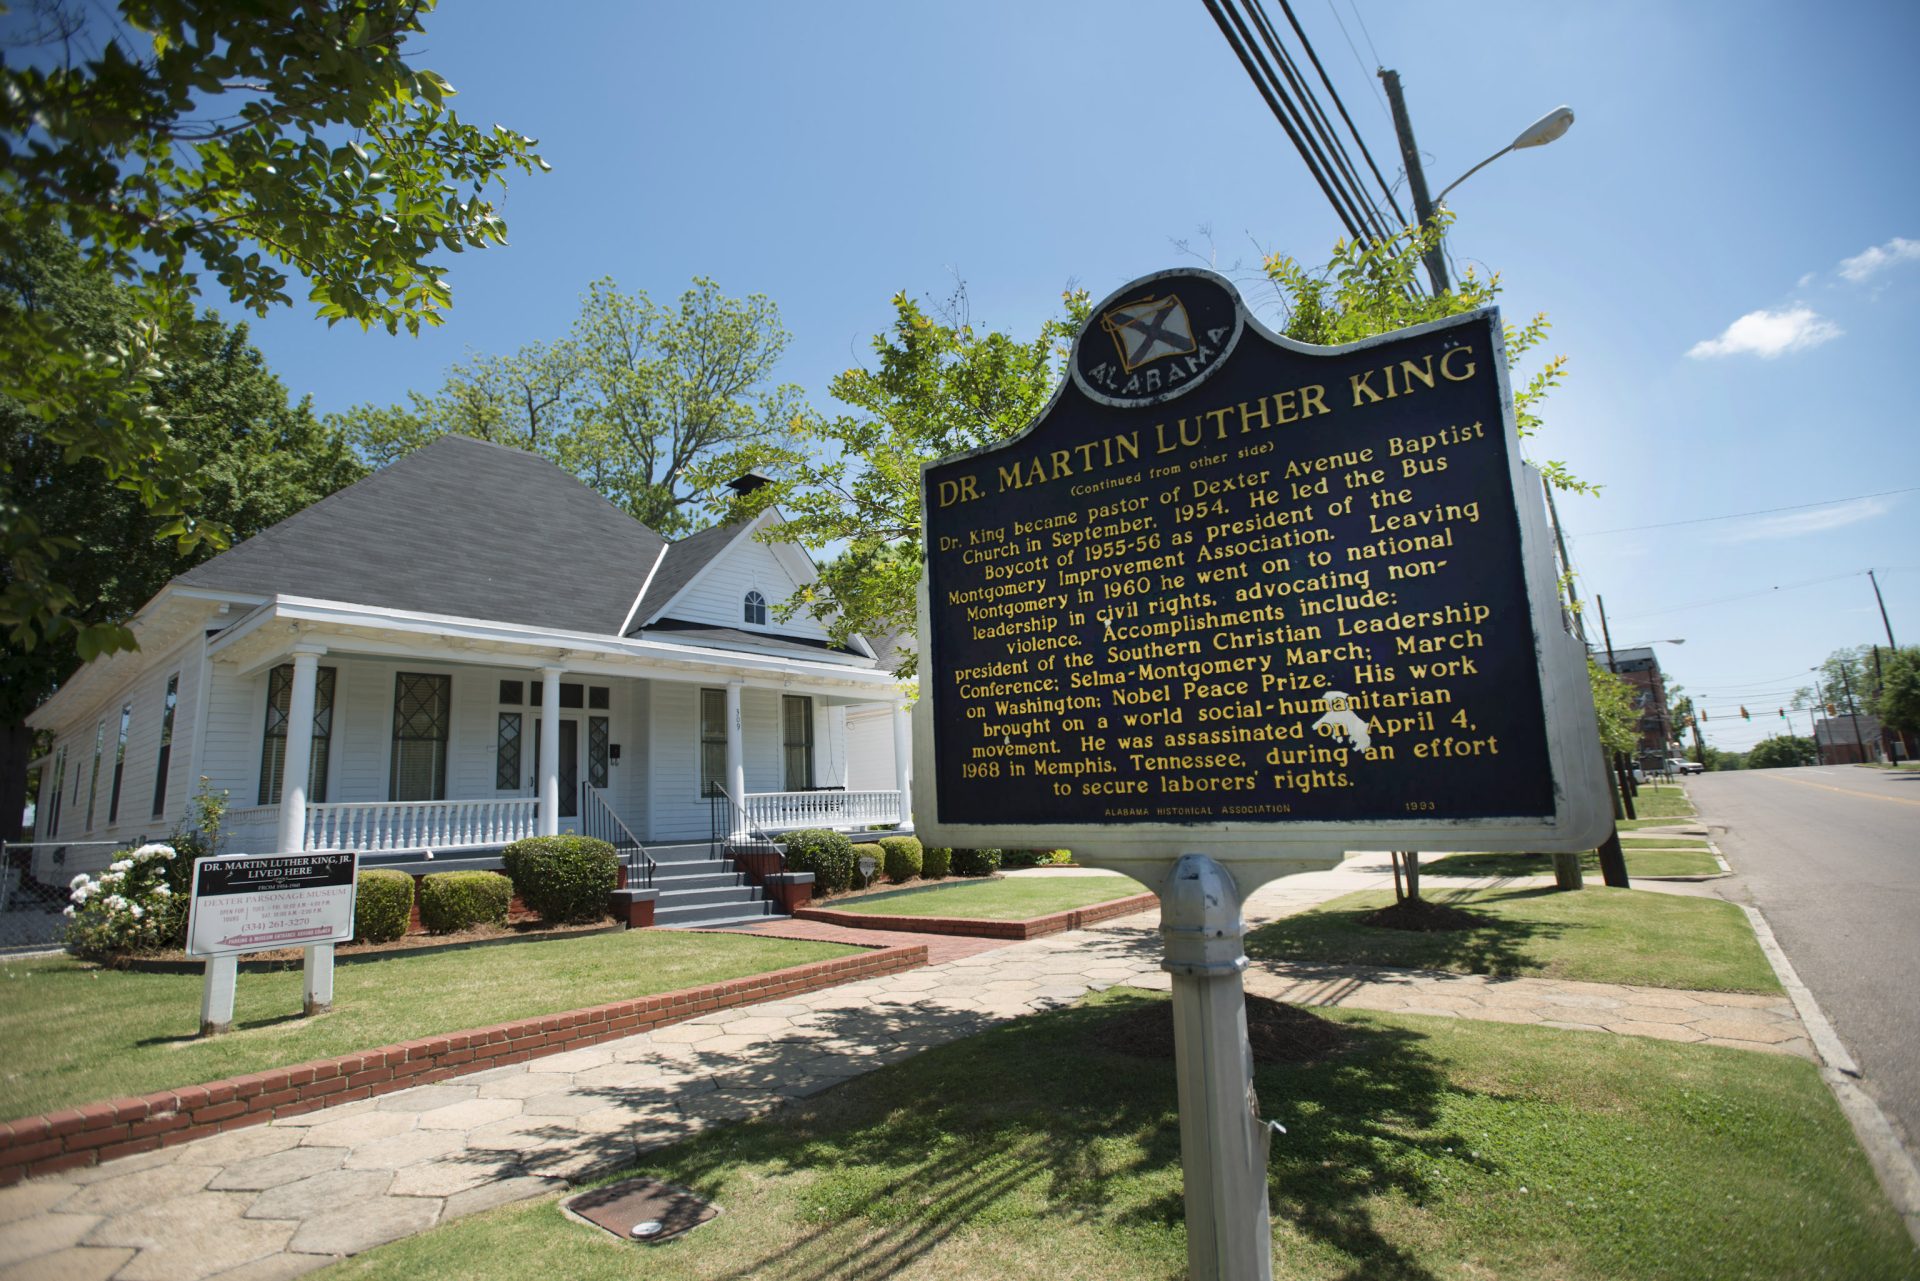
<point>1678,766</point>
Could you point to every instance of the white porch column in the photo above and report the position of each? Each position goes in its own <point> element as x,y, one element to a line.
<point>298,761</point>
<point>736,749</point>
<point>903,759</point>
<point>550,751</point>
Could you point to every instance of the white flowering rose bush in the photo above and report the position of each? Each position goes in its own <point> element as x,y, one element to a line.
<point>136,905</point>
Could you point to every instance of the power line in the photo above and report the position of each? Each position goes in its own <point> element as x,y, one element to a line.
<point>1766,591</point>
<point>1762,511</point>
<point>1361,19</point>
<point>1359,62</point>
<point>1286,8</point>
<point>1234,28</point>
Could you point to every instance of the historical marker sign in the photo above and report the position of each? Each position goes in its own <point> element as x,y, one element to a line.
<point>257,903</point>
<point>1236,594</point>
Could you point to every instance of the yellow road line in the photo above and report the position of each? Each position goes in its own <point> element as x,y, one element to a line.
<point>1828,787</point>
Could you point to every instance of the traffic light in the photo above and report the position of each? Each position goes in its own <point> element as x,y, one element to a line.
<point>1783,713</point>
<point>1704,716</point>
<point>1743,713</point>
<point>1832,710</point>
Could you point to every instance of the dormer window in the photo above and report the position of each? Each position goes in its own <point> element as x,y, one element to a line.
<point>756,612</point>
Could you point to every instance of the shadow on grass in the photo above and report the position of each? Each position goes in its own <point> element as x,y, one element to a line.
<point>1501,946</point>
<point>1502,864</point>
<point>1033,1124</point>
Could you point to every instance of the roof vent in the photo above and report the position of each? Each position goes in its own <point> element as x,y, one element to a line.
<point>745,484</point>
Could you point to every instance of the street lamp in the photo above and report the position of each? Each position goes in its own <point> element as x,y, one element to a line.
<point>1538,134</point>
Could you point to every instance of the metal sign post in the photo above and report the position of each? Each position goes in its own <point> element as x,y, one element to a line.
<point>1230,607</point>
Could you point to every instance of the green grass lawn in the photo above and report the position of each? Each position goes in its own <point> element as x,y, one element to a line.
<point>1662,800</point>
<point>1017,898</point>
<point>1663,842</point>
<point>1429,1148</point>
<point>1639,863</point>
<point>76,1033</point>
<point>1595,935</point>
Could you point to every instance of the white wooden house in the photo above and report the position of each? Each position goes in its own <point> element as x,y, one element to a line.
<point>467,647</point>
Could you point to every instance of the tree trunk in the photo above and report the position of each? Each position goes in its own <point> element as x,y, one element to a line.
<point>16,749</point>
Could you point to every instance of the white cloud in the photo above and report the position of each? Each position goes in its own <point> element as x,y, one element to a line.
<point>1798,524</point>
<point>1878,258</point>
<point>1769,334</point>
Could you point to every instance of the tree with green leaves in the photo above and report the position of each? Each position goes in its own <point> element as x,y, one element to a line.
<point>1850,667</point>
<point>1898,705</point>
<point>256,459</point>
<point>251,141</point>
<point>654,406</point>
<point>1782,751</point>
<point>1616,702</point>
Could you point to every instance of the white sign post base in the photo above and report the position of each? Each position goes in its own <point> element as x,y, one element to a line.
<point>318,967</point>
<point>216,998</point>
<point>1223,1141</point>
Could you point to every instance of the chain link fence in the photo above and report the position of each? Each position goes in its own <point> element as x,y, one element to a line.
<point>34,876</point>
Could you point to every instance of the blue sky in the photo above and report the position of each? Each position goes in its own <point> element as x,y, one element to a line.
<point>1697,238</point>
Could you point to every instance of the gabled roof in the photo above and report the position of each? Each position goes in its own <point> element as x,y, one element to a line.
<point>460,527</point>
<point>685,559</point>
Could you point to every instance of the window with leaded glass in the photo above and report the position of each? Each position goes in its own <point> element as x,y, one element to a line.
<point>599,697</point>
<point>756,609</point>
<point>796,717</point>
<point>119,764</point>
<point>93,786</point>
<point>59,781</point>
<point>597,737</point>
<point>166,745</point>
<point>506,770</point>
<point>422,718</point>
<point>713,741</point>
<point>273,743</point>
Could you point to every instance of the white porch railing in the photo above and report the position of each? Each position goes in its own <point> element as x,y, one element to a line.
<point>412,825</point>
<point>390,825</point>
<point>783,811</point>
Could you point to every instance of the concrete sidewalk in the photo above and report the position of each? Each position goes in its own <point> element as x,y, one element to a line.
<point>277,1200</point>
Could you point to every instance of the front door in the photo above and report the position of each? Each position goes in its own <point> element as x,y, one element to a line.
<point>569,764</point>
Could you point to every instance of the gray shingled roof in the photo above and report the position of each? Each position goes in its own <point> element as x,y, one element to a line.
<point>459,527</point>
<point>684,559</point>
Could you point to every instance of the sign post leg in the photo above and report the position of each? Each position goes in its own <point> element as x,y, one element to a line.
<point>318,968</point>
<point>1223,1142</point>
<point>216,998</point>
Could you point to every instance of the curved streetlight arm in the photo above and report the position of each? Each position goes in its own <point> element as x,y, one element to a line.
<point>1469,173</point>
<point>1538,134</point>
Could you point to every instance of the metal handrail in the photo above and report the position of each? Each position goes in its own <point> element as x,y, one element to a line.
<point>724,810</point>
<point>598,819</point>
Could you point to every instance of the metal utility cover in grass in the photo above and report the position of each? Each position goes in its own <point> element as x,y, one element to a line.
<point>620,1207</point>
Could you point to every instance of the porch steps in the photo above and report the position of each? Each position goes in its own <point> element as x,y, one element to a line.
<point>698,891</point>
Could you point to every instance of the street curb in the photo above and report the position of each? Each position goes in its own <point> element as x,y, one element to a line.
<point>1892,1163</point>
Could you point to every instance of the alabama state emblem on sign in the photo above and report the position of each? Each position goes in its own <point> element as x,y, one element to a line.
<point>1157,338</point>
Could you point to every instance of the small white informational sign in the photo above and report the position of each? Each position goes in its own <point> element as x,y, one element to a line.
<point>260,902</point>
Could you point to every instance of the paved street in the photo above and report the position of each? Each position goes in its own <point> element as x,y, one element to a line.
<point>1831,856</point>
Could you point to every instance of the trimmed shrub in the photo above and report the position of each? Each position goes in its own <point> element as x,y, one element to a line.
<point>976,862</point>
<point>563,878</point>
<point>828,855</point>
<point>454,901</point>
<point>904,857</point>
<point>382,905</point>
<point>935,862</point>
<point>1023,858</point>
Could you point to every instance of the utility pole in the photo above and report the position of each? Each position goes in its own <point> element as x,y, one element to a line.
<point>1819,705</point>
<point>1853,713</point>
<point>1416,176</point>
<point>1883,610</point>
<point>1613,860</point>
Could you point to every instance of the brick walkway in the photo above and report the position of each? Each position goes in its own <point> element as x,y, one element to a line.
<point>277,1200</point>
